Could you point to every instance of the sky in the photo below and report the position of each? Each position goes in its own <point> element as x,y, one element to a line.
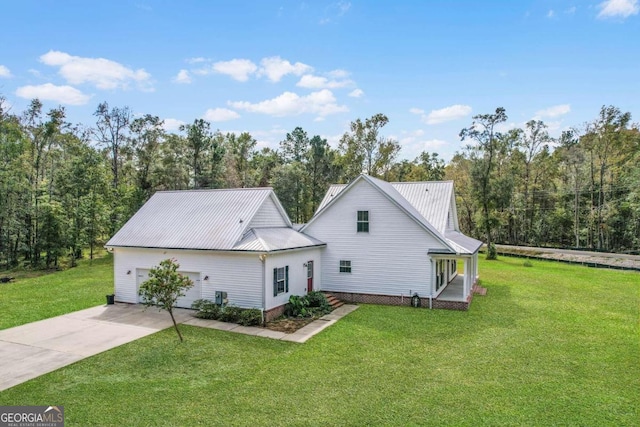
<point>267,67</point>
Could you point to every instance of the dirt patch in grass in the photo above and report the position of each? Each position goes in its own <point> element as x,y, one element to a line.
<point>288,324</point>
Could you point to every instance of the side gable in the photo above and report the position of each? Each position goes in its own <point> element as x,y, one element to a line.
<point>270,214</point>
<point>385,189</point>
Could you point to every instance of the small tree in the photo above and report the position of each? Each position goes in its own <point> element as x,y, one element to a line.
<point>164,287</point>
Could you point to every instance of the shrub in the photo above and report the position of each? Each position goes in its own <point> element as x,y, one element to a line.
<point>231,314</point>
<point>250,317</point>
<point>297,307</point>
<point>316,299</point>
<point>207,309</point>
<point>527,263</point>
<point>492,253</point>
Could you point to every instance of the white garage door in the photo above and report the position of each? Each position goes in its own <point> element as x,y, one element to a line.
<point>192,294</point>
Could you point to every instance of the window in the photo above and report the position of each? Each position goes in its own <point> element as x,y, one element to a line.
<point>345,266</point>
<point>440,270</point>
<point>363,221</point>
<point>280,280</point>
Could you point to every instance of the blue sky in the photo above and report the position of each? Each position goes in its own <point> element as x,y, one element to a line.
<point>269,66</point>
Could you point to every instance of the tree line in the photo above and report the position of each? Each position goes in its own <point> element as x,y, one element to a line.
<point>65,187</point>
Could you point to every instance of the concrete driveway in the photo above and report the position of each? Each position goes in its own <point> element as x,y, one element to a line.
<point>31,350</point>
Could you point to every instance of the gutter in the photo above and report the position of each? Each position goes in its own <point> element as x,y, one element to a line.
<point>263,259</point>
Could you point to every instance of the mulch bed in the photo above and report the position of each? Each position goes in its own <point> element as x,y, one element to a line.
<point>288,325</point>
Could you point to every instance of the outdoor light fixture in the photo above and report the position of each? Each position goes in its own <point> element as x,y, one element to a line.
<point>129,272</point>
<point>206,277</point>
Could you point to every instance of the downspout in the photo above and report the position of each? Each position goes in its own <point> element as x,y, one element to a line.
<point>263,258</point>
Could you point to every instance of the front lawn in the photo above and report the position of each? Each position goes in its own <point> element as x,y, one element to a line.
<point>47,295</point>
<point>551,344</point>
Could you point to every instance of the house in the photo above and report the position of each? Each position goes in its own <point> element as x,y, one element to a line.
<point>386,242</point>
<point>369,241</point>
<point>238,241</point>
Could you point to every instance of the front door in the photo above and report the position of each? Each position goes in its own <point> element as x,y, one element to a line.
<point>309,276</point>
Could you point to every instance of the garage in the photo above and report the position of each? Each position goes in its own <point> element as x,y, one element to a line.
<point>192,294</point>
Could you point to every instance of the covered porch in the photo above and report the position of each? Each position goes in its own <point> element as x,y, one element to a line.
<point>455,277</point>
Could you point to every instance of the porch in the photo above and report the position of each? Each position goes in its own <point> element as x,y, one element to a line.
<point>455,278</point>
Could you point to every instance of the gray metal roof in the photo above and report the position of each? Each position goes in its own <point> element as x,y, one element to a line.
<point>427,202</point>
<point>197,219</point>
<point>432,199</point>
<point>275,239</point>
<point>463,244</point>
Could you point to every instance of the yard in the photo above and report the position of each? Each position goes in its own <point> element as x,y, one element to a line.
<point>36,296</point>
<point>552,344</point>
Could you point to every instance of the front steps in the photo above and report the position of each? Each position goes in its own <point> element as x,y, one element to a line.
<point>333,301</point>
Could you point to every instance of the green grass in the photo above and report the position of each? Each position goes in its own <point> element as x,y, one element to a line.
<point>35,296</point>
<point>551,344</point>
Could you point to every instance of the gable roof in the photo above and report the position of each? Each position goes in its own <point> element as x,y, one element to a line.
<point>198,219</point>
<point>427,203</point>
<point>275,239</point>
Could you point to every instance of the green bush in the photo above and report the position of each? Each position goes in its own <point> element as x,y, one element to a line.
<point>231,314</point>
<point>297,307</point>
<point>527,263</point>
<point>316,299</point>
<point>207,309</point>
<point>250,317</point>
<point>492,253</point>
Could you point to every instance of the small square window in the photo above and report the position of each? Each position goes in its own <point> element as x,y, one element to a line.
<point>345,266</point>
<point>363,221</point>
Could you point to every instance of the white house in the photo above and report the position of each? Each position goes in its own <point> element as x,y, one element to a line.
<point>369,241</point>
<point>387,242</point>
<point>238,241</point>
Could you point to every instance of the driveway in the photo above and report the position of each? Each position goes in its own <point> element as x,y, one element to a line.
<point>34,349</point>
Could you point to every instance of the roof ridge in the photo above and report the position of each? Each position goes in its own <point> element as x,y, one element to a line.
<point>211,190</point>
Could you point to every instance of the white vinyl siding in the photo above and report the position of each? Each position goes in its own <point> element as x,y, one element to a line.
<point>240,275</point>
<point>189,297</point>
<point>297,261</point>
<point>391,259</point>
<point>268,215</point>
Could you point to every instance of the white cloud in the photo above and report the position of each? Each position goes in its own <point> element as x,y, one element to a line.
<point>50,92</point>
<point>319,119</point>
<point>338,74</point>
<point>172,124</point>
<point>275,68</point>
<point>4,72</point>
<point>618,8</point>
<point>238,69</point>
<point>317,82</point>
<point>416,111</point>
<point>447,114</point>
<point>356,93</point>
<point>103,73</point>
<point>182,77</point>
<point>551,13</point>
<point>220,115</point>
<point>555,111</point>
<point>196,60</point>
<point>571,10</point>
<point>432,144</point>
<point>322,103</point>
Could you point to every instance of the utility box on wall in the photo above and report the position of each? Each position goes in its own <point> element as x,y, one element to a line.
<point>221,298</point>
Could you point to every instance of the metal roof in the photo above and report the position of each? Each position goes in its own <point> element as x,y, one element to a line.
<point>432,199</point>
<point>196,219</point>
<point>427,202</point>
<point>275,239</point>
<point>463,244</point>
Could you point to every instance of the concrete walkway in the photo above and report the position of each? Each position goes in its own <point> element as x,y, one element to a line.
<point>299,336</point>
<point>37,348</point>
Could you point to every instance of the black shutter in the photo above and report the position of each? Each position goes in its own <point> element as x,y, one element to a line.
<point>275,282</point>
<point>286,279</point>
